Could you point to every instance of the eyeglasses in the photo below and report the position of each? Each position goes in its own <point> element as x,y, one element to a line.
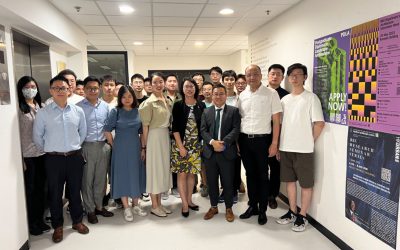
<point>93,89</point>
<point>188,87</point>
<point>62,89</point>
<point>295,75</point>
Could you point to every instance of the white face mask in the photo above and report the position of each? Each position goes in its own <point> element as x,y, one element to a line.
<point>29,93</point>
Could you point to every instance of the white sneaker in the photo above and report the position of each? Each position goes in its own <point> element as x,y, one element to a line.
<point>158,212</point>
<point>300,224</point>
<point>145,197</point>
<point>175,193</point>
<point>287,218</point>
<point>128,216</point>
<point>139,211</point>
<point>166,210</point>
<point>165,195</point>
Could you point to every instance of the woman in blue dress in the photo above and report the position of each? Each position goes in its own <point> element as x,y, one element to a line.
<point>128,176</point>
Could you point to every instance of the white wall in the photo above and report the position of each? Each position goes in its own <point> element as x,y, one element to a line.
<point>13,210</point>
<point>291,39</point>
<point>144,63</point>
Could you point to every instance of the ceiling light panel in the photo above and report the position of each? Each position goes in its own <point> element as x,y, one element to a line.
<point>126,9</point>
<point>112,8</point>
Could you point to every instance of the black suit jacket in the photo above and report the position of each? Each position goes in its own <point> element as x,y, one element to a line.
<point>230,129</point>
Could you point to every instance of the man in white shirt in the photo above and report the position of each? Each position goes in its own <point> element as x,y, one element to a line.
<point>258,106</point>
<point>302,124</point>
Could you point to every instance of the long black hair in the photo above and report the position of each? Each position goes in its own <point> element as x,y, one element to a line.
<point>124,89</point>
<point>23,106</point>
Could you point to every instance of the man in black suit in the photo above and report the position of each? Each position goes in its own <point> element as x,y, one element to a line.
<point>220,128</point>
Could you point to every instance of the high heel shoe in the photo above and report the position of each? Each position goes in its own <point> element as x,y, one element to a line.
<point>194,208</point>
<point>185,214</point>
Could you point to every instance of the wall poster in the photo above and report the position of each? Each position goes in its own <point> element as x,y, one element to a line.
<point>372,182</point>
<point>4,80</point>
<point>331,54</point>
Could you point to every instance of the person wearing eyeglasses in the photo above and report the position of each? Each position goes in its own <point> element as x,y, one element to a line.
<point>296,147</point>
<point>59,130</point>
<point>276,74</point>
<point>259,107</point>
<point>95,151</point>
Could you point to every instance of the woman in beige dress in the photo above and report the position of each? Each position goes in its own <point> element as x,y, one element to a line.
<point>155,115</point>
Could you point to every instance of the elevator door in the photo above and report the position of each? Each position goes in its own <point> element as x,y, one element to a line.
<point>32,58</point>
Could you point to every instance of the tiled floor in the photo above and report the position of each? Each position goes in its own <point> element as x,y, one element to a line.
<point>176,232</point>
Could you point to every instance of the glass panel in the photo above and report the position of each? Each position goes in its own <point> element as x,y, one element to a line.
<point>109,63</point>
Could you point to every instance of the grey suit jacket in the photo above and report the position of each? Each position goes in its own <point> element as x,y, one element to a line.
<point>230,129</point>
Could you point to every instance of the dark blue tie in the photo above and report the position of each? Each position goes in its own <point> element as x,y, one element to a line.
<point>217,124</point>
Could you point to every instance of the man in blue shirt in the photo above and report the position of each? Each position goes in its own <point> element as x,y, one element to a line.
<point>59,130</point>
<point>95,151</point>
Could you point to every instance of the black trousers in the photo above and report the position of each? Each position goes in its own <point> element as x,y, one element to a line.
<point>254,152</point>
<point>237,178</point>
<point>274,176</point>
<point>218,166</point>
<point>35,180</point>
<point>60,170</point>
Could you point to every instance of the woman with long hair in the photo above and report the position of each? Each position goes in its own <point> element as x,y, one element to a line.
<point>155,114</point>
<point>34,172</point>
<point>127,168</point>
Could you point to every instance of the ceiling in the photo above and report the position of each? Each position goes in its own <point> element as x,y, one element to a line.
<point>171,27</point>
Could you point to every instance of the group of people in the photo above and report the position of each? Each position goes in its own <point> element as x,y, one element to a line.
<point>138,134</point>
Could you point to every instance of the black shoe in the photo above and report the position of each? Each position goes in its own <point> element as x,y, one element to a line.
<point>35,230</point>
<point>272,203</point>
<point>194,208</point>
<point>262,218</point>
<point>44,227</point>
<point>103,212</point>
<point>185,214</point>
<point>249,212</point>
<point>92,218</point>
<point>106,198</point>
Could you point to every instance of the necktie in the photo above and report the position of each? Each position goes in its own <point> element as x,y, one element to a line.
<point>217,124</point>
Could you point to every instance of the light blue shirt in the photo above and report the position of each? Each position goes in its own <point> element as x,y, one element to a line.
<point>96,116</point>
<point>59,129</point>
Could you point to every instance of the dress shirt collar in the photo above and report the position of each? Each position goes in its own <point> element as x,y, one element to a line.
<point>54,105</point>
<point>86,102</point>
<point>222,107</point>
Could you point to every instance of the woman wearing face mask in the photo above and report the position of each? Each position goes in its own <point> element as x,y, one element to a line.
<point>34,172</point>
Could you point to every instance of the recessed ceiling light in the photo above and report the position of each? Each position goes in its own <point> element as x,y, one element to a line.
<point>226,11</point>
<point>126,9</point>
<point>137,43</point>
<point>199,43</point>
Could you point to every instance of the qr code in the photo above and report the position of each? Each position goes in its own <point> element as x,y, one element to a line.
<point>386,174</point>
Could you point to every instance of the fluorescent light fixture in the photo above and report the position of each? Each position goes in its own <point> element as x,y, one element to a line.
<point>126,9</point>
<point>198,43</point>
<point>138,43</point>
<point>105,67</point>
<point>91,59</point>
<point>226,11</point>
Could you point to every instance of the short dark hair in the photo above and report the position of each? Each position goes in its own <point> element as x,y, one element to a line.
<point>79,82</point>
<point>218,86</point>
<point>208,83</point>
<point>137,76</point>
<point>229,73</point>
<point>67,72</point>
<point>147,79</point>
<point>159,74</point>
<point>199,74</point>
<point>241,76</point>
<point>119,83</point>
<point>107,78</point>
<point>58,78</point>
<point>277,66</point>
<point>121,93</point>
<point>173,75</point>
<point>216,68</point>
<point>91,79</point>
<point>297,66</point>
<point>196,88</point>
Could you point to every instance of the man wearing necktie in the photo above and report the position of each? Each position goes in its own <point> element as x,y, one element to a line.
<point>220,127</point>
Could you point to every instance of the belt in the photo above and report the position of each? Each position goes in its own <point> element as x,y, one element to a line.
<point>255,135</point>
<point>74,152</point>
<point>93,142</point>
